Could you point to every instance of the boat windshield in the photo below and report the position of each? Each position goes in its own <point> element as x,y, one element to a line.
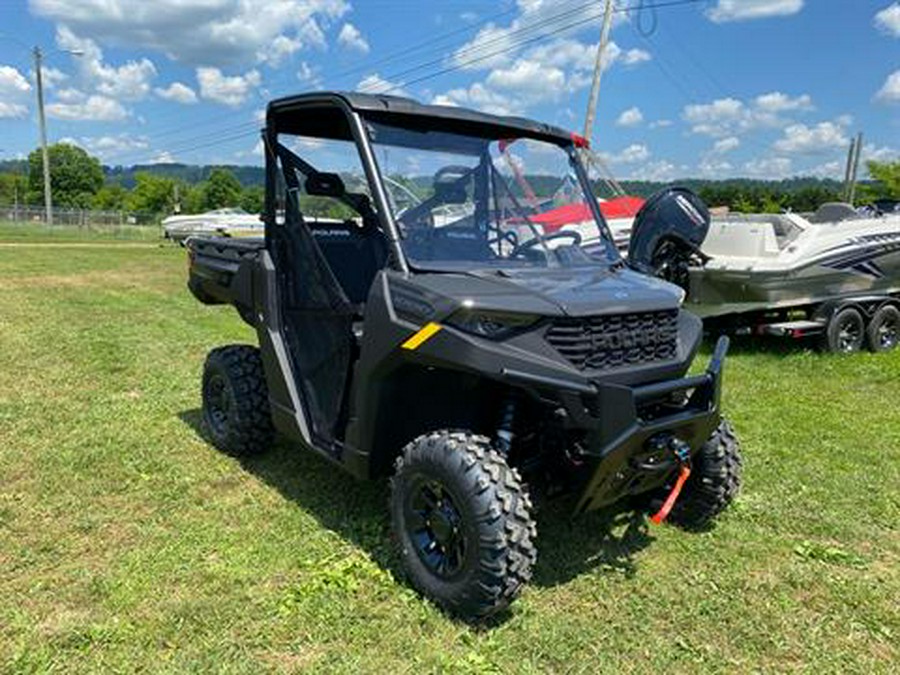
<point>469,202</point>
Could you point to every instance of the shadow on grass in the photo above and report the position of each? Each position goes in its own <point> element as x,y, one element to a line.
<point>358,511</point>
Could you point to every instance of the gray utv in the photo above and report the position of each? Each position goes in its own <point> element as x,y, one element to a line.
<point>438,300</point>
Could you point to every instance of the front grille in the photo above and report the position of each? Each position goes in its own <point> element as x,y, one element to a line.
<point>604,342</point>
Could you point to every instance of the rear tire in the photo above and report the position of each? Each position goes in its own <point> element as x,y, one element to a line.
<point>236,414</point>
<point>883,332</point>
<point>463,523</point>
<point>845,332</point>
<point>715,480</point>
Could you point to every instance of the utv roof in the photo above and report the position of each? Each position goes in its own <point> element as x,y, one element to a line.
<point>403,111</point>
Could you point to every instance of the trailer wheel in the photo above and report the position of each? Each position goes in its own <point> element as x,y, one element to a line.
<point>236,413</point>
<point>845,332</point>
<point>462,519</point>
<point>883,332</point>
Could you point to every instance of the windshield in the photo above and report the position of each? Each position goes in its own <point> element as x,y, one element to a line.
<point>465,201</point>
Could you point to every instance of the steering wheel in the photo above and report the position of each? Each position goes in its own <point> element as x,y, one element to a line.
<point>509,237</point>
<point>531,243</point>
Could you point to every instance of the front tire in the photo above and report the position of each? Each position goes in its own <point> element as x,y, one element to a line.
<point>715,480</point>
<point>463,523</point>
<point>236,414</point>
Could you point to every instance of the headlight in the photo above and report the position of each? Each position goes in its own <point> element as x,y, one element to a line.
<point>493,325</point>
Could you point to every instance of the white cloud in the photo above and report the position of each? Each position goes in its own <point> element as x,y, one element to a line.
<point>12,82</point>
<point>70,95</point>
<point>130,81</point>
<point>742,10</point>
<point>309,75</point>
<point>111,146</point>
<point>53,77</point>
<point>94,108</point>
<point>229,90</point>
<point>163,157</point>
<point>871,153</point>
<point>711,167</point>
<point>13,89</point>
<point>634,153</point>
<point>479,97</point>
<point>630,118</point>
<point>530,81</point>
<point>777,102</point>
<point>833,169</point>
<point>177,92</point>
<point>635,56</point>
<point>725,145</point>
<point>375,84</point>
<point>661,124</point>
<point>200,32</point>
<point>729,116</point>
<point>351,38</point>
<point>542,74</point>
<point>661,171</point>
<point>810,140</point>
<point>278,50</point>
<point>890,91</point>
<point>770,168</point>
<point>888,20</point>
<point>8,110</point>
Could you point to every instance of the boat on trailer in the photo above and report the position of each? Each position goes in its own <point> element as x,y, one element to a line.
<point>834,274</point>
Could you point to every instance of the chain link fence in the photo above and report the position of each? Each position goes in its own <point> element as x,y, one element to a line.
<point>83,222</point>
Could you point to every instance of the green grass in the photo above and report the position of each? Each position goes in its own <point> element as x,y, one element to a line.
<point>13,232</point>
<point>128,543</point>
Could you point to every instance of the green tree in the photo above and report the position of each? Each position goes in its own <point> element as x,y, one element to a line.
<point>193,199</point>
<point>152,193</point>
<point>222,189</point>
<point>75,176</point>
<point>252,199</point>
<point>13,188</point>
<point>887,177</point>
<point>111,197</point>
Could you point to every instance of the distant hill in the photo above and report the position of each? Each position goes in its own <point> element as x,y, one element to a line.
<point>719,191</point>
<point>248,176</point>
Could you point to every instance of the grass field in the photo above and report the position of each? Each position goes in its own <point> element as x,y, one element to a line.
<point>30,232</point>
<point>128,544</point>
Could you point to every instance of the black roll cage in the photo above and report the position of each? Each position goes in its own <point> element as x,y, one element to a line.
<point>349,106</point>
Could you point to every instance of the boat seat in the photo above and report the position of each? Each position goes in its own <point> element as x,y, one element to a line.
<point>355,253</point>
<point>833,212</point>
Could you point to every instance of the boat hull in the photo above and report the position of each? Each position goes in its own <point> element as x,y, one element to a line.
<point>861,269</point>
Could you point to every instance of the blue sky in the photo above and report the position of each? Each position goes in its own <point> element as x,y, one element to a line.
<point>713,88</point>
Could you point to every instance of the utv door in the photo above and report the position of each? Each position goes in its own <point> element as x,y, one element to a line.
<point>316,314</point>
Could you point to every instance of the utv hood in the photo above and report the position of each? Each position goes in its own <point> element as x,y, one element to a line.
<point>579,291</point>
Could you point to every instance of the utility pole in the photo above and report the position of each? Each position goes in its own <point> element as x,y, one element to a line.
<point>589,156</point>
<point>598,72</point>
<point>48,197</point>
<point>849,169</point>
<point>855,172</point>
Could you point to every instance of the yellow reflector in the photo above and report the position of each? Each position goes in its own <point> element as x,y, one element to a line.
<point>425,333</point>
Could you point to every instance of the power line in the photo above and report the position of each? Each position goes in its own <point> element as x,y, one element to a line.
<point>251,128</point>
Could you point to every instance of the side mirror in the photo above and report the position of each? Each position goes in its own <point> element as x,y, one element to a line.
<point>325,185</point>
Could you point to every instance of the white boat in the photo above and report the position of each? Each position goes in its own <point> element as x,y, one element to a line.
<point>769,262</point>
<point>227,222</point>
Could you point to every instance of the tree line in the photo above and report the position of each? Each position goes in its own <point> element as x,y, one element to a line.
<point>80,181</point>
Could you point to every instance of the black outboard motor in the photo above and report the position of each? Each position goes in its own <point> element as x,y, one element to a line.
<point>667,234</point>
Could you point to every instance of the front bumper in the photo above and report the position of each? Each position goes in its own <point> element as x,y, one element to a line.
<point>622,423</point>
